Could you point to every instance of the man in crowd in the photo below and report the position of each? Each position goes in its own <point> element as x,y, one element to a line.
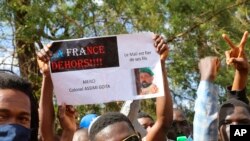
<point>18,109</point>
<point>180,127</point>
<point>145,120</point>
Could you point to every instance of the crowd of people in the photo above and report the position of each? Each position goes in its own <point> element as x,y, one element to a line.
<point>25,118</point>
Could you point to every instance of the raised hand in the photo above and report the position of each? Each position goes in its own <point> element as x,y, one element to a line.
<point>161,46</point>
<point>236,55</point>
<point>43,57</point>
<point>67,117</point>
<point>209,67</point>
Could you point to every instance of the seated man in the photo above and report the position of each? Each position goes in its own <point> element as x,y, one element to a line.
<point>18,109</point>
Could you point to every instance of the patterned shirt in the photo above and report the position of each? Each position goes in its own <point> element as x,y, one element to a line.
<point>206,110</point>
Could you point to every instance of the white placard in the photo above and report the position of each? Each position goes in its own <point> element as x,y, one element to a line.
<point>105,69</point>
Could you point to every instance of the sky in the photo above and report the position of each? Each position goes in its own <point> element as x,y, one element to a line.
<point>7,49</point>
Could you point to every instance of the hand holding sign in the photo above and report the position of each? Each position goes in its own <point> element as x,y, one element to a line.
<point>236,55</point>
<point>43,57</point>
<point>92,70</point>
<point>161,46</point>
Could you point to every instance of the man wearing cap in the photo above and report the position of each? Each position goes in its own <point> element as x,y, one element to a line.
<point>146,81</point>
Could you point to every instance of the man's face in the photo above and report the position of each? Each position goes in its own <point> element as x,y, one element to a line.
<point>146,122</point>
<point>180,126</point>
<point>115,132</point>
<point>239,116</point>
<point>145,79</point>
<point>14,108</point>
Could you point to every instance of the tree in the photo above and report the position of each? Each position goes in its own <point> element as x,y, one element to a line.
<point>195,31</point>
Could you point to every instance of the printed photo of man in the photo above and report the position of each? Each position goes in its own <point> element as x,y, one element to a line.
<point>146,77</point>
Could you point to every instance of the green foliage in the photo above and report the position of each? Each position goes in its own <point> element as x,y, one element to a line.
<point>149,106</point>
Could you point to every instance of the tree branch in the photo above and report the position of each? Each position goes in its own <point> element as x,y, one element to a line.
<point>200,23</point>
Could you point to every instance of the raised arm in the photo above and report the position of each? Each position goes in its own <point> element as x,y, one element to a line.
<point>67,118</point>
<point>131,108</point>
<point>164,105</point>
<point>236,57</point>
<point>206,103</point>
<point>66,114</point>
<point>46,109</point>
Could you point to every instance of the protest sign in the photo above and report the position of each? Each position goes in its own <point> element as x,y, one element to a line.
<point>105,69</point>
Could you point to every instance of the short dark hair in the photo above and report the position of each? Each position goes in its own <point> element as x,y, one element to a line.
<point>12,81</point>
<point>231,103</point>
<point>106,120</point>
<point>144,115</point>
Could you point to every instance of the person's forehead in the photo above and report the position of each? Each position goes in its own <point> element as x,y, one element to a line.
<point>11,98</point>
<point>81,134</point>
<point>114,132</point>
<point>145,120</point>
<point>242,110</point>
<point>178,115</point>
<point>239,112</point>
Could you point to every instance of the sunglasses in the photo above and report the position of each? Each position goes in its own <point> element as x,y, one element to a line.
<point>133,137</point>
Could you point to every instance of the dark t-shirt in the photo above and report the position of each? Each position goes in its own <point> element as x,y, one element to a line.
<point>240,95</point>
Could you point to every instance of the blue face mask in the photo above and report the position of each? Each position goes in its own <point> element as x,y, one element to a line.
<point>14,132</point>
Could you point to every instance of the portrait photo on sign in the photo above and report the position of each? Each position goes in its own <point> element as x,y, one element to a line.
<point>144,78</point>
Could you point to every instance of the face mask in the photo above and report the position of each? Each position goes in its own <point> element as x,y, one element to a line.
<point>14,132</point>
